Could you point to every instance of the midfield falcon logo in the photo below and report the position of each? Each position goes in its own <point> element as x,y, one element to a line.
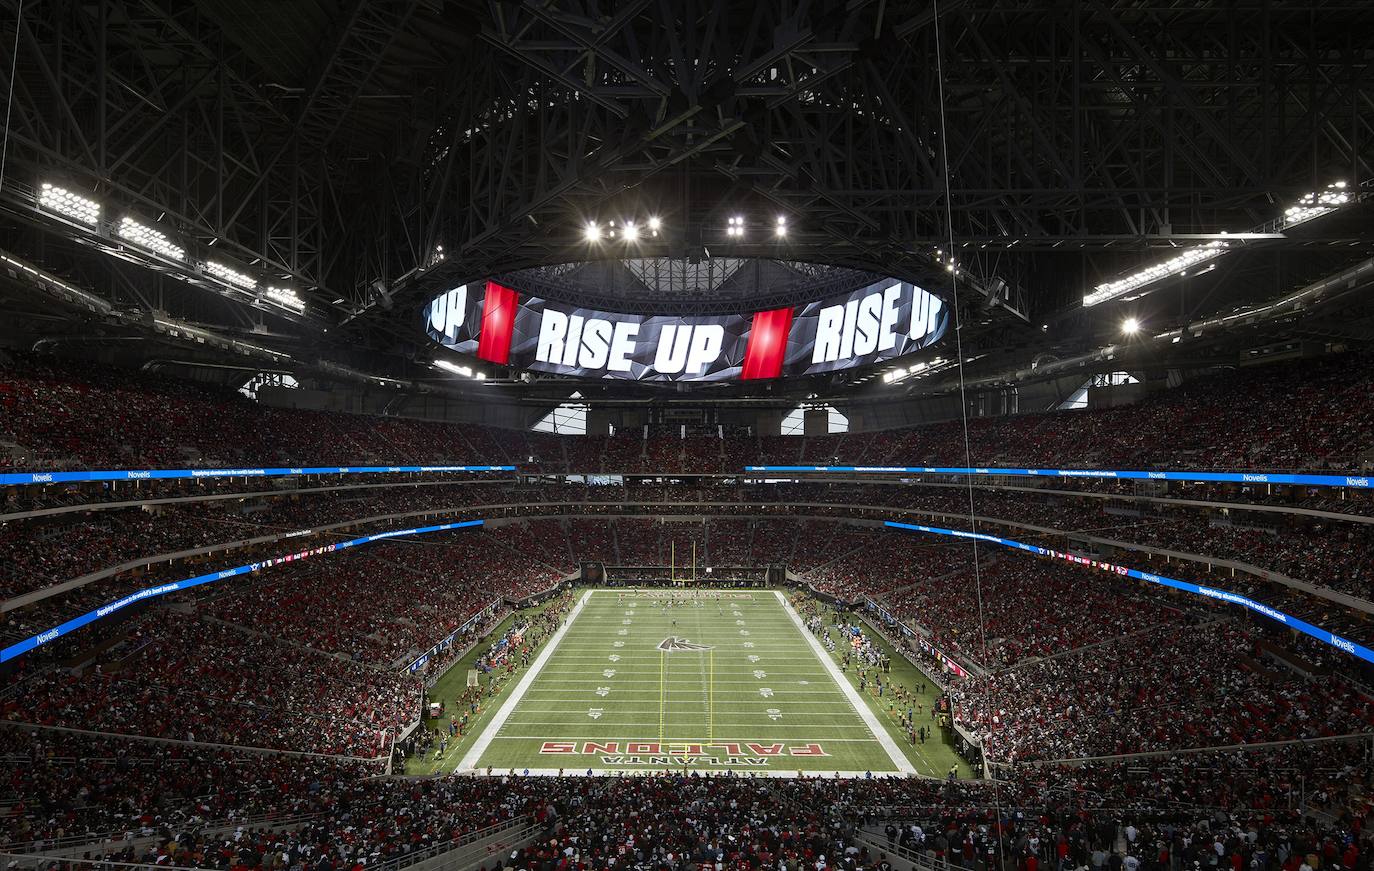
<point>673,644</point>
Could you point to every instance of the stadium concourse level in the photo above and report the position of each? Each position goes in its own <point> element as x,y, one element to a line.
<point>1326,551</point>
<point>1308,415</point>
<point>117,550</point>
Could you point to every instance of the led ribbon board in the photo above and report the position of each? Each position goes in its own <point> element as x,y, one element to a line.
<point>19,648</point>
<point>1344,644</point>
<point>492,322</point>
<point>12,478</point>
<point>1215,477</point>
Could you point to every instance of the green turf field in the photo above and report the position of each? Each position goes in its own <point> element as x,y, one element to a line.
<point>724,680</point>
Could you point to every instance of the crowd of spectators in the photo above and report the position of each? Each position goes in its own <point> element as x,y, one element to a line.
<point>192,679</point>
<point>1167,688</point>
<point>391,601</point>
<point>70,785</point>
<point>1309,414</point>
<point>1266,811</point>
<point>1017,609</point>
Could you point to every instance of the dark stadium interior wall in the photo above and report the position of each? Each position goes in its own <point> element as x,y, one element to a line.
<point>1027,397</point>
<point>353,401</point>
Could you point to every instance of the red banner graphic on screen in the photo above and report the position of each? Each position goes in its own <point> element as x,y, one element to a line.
<point>498,323</point>
<point>767,346</point>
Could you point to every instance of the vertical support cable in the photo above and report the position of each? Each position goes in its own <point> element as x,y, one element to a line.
<point>963,400</point>
<point>9,100</point>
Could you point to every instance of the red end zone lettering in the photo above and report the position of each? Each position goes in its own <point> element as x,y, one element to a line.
<point>720,749</point>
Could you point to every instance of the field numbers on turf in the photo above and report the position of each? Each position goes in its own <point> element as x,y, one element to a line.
<point>744,632</point>
<point>603,691</point>
<point>748,644</point>
<point>739,622</point>
<point>760,673</point>
<point>627,621</point>
<point>774,714</point>
<point>595,713</point>
<point>766,692</point>
<point>753,657</point>
<point>614,657</point>
<point>617,644</point>
<point>622,632</point>
<point>610,672</point>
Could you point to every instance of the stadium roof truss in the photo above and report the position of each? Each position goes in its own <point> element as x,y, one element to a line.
<point>372,154</point>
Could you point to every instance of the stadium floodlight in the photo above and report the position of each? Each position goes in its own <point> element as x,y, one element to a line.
<point>735,226</point>
<point>1315,204</point>
<point>655,224</point>
<point>285,296</point>
<point>1130,326</point>
<point>153,240</point>
<point>64,202</point>
<point>630,232</point>
<point>459,369</point>
<point>1149,275</point>
<point>592,233</point>
<point>780,228</point>
<point>230,276</point>
<point>1310,206</point>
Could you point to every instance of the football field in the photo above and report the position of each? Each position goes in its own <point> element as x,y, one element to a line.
<point>652,680</point>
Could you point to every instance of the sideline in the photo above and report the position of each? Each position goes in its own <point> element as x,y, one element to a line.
<point>469,761</point>
<point>861,708</point>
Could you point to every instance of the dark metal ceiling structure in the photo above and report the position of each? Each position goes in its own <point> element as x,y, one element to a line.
<point>669,285</point>
<point>371,153</point>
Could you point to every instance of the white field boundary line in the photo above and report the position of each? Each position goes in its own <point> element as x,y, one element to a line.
<point>861,708</point>
<point>469,761</point>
